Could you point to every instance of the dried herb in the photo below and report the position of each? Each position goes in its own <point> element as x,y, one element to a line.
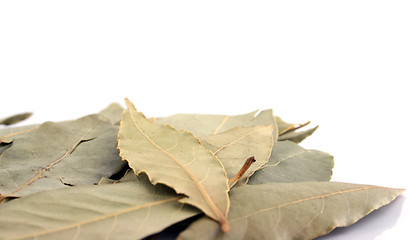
<point>59,180</point>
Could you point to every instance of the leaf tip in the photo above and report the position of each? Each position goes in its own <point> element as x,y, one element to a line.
<point>130,106</point>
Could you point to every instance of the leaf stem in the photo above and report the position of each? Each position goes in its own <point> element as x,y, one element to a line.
<point>243,170</point>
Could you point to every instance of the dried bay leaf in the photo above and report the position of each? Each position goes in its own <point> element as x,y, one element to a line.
<point>57,155</point>
<point>113,112</point>
<point>177,159</point>
<point>7,134</point>
<point>127,210</point>
<point>15,118</point>
<point>302,210</point>
<point>297,136</point>
<point>206,124</point>
<point>285,127</point>
<point>234,146</point>
<point>291,163</point>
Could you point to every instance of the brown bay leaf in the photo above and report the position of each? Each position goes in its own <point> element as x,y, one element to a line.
<point>57,155</point>
<point>126,210</point>
<point>291,163</point>
<point>177,159</point>
<point>234,146</point>
<point>206,124</point>
<point>302,210</point>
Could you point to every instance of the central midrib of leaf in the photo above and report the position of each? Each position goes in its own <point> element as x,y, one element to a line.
<point>100,218</point>
<point>322,196</point>
<point>214,208</point>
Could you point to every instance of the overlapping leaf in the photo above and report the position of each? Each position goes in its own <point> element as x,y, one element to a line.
<point>57,155</point>
<point>297,136</point>
<point>113,112</point>
<point>287,131</point>
<point>128,210</point>
<point>234,146</point>
<point>177,159</point>
<point>285,127</point>
<point>203,125</point>
<point>286,198</point>
<point>302,210</point>
<point>291,163</point>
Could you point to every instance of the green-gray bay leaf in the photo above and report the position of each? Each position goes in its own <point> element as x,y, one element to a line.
<point>285,127</point>
<point>234,146</point>
<point>291,163</point>
<point>113,112</point>
<point>57,155</point>
<point>301,210</point>
<point>206,124</point>
<point>177,159</point>
<point>128,210</point>
<point>297,136</point>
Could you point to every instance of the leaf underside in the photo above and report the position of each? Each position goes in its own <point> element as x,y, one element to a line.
<point>202,125</point>
<point>234,146</point>
<point>177,159</point>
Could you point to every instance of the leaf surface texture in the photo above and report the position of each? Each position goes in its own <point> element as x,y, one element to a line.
<point>234,146</point>
<point>128,210</point>
<point>206,124</point>
<point>291,163</point>
<point>57,155</point>
<point>177,159</point>
<point>303,210</point>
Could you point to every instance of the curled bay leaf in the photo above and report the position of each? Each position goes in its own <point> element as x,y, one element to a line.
<point>291,163</point>
<point>285,127</point>
<point>206,124</point>
<point>126,210</point>
<point>234,146</point>
<point>297,136</point>
<point>57,155</point>
<point>302,210</point>
<point>177,159</point>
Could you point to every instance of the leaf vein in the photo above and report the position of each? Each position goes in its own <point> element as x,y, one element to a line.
<point>205,195</point>
<point>99,218</point>
<point>303,200</point>
<point>284,159</point>
<point>239,139</point>
<point>216,130</point>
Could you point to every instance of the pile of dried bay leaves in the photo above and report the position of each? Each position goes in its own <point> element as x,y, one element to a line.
<point>119,175</point>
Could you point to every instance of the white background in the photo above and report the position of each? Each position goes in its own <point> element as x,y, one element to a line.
<point>342,64</point>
